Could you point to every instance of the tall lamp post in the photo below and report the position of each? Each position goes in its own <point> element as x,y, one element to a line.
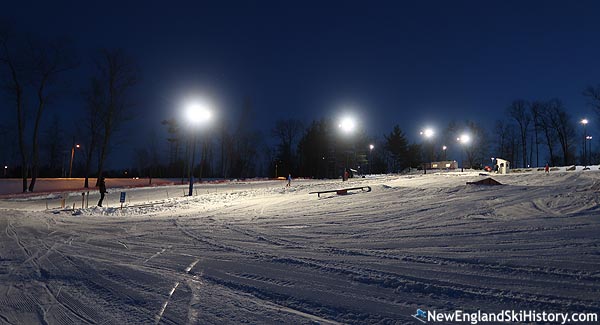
<point>444,148</point>
<point>72,156</point>
<point>589,151</point>
<point>371,147</point>
<point>584,122</point>
<point>347,125</point>
<point>464,140</point>
<point>428,134</point>
<point>196,114</point>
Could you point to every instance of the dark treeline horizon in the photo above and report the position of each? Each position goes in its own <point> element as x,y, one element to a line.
<point>36,76</point>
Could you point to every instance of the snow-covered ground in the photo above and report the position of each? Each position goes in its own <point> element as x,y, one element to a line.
<point>257,252</point>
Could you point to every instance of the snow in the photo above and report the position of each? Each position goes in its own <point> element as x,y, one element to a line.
<point>257,252</point>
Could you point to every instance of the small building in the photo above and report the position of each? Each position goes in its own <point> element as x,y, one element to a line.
<point>446,164</point>
<point>503,166</point>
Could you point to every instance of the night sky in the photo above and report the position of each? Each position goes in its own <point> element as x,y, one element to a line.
<point>416,64</point>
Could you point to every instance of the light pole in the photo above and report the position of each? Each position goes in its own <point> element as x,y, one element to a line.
<point>72,156</point>
<point>464,140</point>
<point>5,170</point>
<point>584,122</point>
<point>347,125</point>
<point>428,134</point>
<point>589,152</point>
<point>197,113</point>
<point>444,148</point>
<point>371,147</point>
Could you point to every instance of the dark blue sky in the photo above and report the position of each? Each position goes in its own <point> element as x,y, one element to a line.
<point>411,63</point>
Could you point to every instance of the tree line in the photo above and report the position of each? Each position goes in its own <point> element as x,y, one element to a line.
<point>34,73</point>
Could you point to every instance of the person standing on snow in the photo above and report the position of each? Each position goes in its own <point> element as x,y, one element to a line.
<point>289,179</point>
<point>102,188</point>
<point>547,169</point>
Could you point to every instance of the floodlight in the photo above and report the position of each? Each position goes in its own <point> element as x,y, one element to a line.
<point>428,133</point>
<point>347,124</point>
<point>197,112</point>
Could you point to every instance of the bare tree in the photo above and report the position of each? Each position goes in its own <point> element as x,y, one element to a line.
<point>53,144</point>
<point>287,132</point>
<point>94,101</point>
<point>536,108</point>
<point>31,65</point>
<point>15,87</point>
<point>518,111</point>
<point>502,132</point>
<point>174,140</point>
<point>561,122</point>
<point>593,93</point>
<point>476,148</point>
<point>141,159</point>
<point>117,75</point>
<point>226,141</point>
<point>49,61</point>
<point>548,131</point>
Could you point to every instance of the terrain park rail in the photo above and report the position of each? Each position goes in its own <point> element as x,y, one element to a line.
<point>343,191</point>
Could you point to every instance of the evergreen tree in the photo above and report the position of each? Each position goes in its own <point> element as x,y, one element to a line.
<point>397,145</point>
<point>316,151</point>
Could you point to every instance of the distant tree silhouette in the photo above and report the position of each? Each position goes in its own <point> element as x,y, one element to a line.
<point>593,95</point>
<point>548,131</point>
<point>478,146</point>
<point>287,132</point>
<point>536,108</point>
<point>50,59</point>
<point>13,60</point>
<point>560,121</point>
<point>397,145</point>
<point>34,65</point>
<point>54,145</point>
<point>241,149</point>
<point>503,137</point>
<point>519,112</point>
<point>94,106</point>
<point>316,150</point>
<point>174,140</point>
<point>116,75</point>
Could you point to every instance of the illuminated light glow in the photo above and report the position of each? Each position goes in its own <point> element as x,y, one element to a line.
<point>371,146</point>
<point>465,138</point>
<point>444,148</point>
<point>428,133</point>
<point>347,124</point>
<point>77,146</point>
<point>584,121</point>
<point>198,112</point>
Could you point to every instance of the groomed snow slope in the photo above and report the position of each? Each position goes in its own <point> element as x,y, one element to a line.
<point>256,252</point>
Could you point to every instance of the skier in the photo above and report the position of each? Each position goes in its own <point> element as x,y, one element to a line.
<point>289,179</point>
<point>102,188</point>
<point>547,169</point>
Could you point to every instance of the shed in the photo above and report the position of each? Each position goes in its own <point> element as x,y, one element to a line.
<point>503,165</point>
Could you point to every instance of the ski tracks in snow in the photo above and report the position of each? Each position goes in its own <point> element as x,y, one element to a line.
<point>166,303</point>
